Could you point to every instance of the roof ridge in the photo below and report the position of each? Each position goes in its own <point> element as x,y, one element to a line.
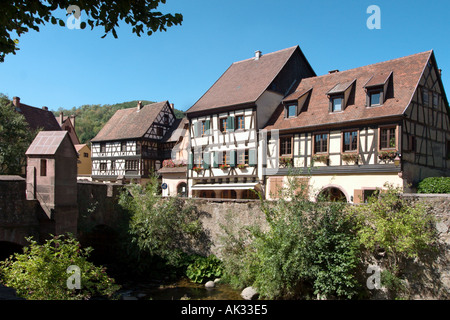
<point>372,64</point>
<point>266,54</point>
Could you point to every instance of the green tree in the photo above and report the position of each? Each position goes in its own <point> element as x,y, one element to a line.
<point>15,138</point>
<point>40,272</point>
<point>20,16</point>
<point>163,227</point>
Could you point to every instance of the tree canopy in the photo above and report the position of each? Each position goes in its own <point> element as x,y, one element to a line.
<point>15,137</point>
<point>18,17</point>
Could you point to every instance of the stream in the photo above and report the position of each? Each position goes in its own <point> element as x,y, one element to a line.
<point>181,290</point>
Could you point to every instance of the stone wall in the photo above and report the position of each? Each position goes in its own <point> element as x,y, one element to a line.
<point>18,218</point>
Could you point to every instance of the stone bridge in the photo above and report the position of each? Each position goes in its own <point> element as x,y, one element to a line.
<point>97,215</point>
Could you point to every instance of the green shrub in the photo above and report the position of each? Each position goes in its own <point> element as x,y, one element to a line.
<point>434,185</point>
<point>309,248</point>
<point>203,269</point>
<point>40,272</point>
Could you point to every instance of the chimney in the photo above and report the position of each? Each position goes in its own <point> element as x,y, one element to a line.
<point>45,108</point>
<point>61,118</point>
<point>333,71</point>
<point>139,105</point>
<point>258,54</point>
<point>172,106</point>
<point>16,102</point>
<point>440,72</point>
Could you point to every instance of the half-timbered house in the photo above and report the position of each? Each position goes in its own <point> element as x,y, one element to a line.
<point>224,123</point>
<point>133,143</point>
<point>347,133</point>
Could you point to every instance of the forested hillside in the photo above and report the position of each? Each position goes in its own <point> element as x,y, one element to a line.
<point>91,118</point>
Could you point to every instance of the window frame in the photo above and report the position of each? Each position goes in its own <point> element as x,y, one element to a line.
<point>223,122</point>
<point>380,131</point>
<point>240,119</point>
<point>343,144</point>
<point>425,102</point>
<point>102,147</point>
<point>435,99</point>
<point>282,146</point>
<point>333,98</point>
<point>123,146</point>
<point>103,167</point>
<point>288,108</point>
<point>43,168</point>
<point>327,144</point>
<point>244,155</point>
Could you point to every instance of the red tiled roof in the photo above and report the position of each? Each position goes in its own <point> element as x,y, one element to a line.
<point>130,123</point>
<point>38,118</point>
<point>244,81</point>
<point>406,73</point>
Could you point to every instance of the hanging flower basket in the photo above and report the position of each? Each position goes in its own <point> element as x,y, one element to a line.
<point>198,169</point>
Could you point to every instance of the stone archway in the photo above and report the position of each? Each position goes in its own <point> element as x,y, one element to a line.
<point>332,193</point>
<point>182,189</point>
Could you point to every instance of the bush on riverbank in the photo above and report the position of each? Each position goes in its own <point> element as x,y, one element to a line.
<point>41,272</point>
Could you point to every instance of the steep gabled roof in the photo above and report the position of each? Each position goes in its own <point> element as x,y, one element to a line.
<point>405,74</point>
<point>244,81</point>
<point>38,118</point>
<point>130,123</point>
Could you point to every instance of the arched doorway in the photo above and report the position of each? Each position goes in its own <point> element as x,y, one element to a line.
<point>333,194</point>
<point>182,189</point>
<point>8,248</point>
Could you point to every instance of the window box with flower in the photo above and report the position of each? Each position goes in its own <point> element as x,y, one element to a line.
<point>323,158</point>
<point>198,169</point>
<point>350,158</point>
<point>224,166</point>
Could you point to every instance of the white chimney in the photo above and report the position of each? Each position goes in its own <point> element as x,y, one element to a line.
<point>172,106</point>
<point>139,105</point>
<point>16,102</point>
<point>258,54</point>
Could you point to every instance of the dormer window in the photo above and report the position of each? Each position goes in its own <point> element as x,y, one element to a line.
<point>336,104</point>
<point>377,88</point>
<point>339,95</point>
<point>375,98</point>
<point>291,111</point>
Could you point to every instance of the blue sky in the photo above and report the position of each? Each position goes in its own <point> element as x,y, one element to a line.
<point>58,67</point>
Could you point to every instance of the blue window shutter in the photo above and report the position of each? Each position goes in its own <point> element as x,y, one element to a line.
<point>233,158</point>
<point>230,123</point>
<point>206,160</point>
<point>216,159</point>
<point>207,126</point>
<point>252,159</point>
<point>191,161</point>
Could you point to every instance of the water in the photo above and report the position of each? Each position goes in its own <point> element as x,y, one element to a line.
<point>181,290</point>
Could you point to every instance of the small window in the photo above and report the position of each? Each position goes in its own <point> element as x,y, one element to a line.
<point>123,146</point>
<point>203,128</point>
<point>291,110</point>
<point>226,157</point>
<point>321,143</point>
<point>240,123</point>
<point>102,147</point>
<point>242,156</point>
<point>336,104</point>
<point>412,143</point>
<point>159,131</point>
<point>375,98</point>
<point>387,138</point>
<point>166,119</point>
<point>285,146</point>
<point>103,166</point>
<point>223,124</point>
<point>425,97</point>
<point>435,99</point>
<point>131,165</point>
<point>86,155</point>
<point>350,141</point>
<point>43,167</point>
